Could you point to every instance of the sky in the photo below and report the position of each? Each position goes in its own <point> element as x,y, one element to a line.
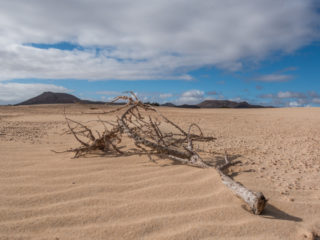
<point>181,51</point>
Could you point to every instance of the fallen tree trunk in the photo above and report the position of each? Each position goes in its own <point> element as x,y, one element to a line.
<point>150,139</point>
<point>255,200</point>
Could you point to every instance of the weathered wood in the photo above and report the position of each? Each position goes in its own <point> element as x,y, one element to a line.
<point>255,200</point>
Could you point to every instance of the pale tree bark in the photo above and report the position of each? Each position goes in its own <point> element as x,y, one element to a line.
<point>255,200</point>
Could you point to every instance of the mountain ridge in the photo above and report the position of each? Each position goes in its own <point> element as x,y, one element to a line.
<point>56,98</point>
<point>65,98</point>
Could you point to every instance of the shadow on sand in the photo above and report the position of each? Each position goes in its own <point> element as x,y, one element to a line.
<point>272,212</point>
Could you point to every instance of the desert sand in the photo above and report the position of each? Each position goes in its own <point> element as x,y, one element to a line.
<point>46,195</point>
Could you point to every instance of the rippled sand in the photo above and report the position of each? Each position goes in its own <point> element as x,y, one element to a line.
<point>45,195</point>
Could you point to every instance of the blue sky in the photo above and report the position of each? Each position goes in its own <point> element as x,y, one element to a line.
<point>263,52</point>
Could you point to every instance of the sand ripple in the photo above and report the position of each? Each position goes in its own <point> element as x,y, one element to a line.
<point>44,195</point>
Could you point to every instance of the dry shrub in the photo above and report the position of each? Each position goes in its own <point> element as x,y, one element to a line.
<point>151,132</point>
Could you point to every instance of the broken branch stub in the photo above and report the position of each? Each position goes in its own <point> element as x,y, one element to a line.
<point>154,134</point>
<point>255,200</point>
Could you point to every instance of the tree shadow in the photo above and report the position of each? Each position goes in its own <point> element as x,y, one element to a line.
<point>234,174</point>
<point>272,212</point>
<point>220,160</point>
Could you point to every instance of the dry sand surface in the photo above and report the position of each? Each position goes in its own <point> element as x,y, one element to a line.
<point>45,195</point>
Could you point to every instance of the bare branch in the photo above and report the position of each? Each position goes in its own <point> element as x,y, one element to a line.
<point>150,136</point>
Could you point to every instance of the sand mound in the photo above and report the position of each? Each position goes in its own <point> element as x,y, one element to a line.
<point>45,195</point>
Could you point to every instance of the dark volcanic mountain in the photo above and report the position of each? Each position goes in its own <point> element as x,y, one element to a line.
<point>216,104</point>
<point>226,104</point>
<point>55,98</point>
<point>187,106</point>
<point>168,104</point>
<point>51,98</point>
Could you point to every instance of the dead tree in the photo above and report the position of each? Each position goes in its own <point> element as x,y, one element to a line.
<point>154,134</point>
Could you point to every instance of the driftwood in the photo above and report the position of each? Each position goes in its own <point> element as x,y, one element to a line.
<point>154,134</point>
<point>255,200</point>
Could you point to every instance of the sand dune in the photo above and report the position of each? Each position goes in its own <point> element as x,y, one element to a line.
<point>45,195</point>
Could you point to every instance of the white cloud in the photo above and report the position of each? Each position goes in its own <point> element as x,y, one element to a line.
<point>148,40</point>
<point>284,95</point>
<point>143,96</point>
<point>165,95</point>
<point>237,99</point>
<point>17,92</point>
<point>292,99</point>
<point>314,94</point>
<point>193,93</point>
<point>316,100</point>
<point>191,97</point>
<point>294,104</point>
<point>289,94</point>
<point>274,78</point>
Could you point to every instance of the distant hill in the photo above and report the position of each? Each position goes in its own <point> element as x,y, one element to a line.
<point>216,104</point>
<point>55,98</point>
<point>226,104</point>
<point>168,104</point>
<point>179,106</point>
<point>187,106</point>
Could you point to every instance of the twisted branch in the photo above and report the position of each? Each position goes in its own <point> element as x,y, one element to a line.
<point>151,138</point>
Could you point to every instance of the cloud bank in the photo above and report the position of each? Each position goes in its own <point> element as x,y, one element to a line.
<point>191,97</point>
<point>133,40</point>
<point>292,99</point>
<point>11,93</point>
<point>274,78</point>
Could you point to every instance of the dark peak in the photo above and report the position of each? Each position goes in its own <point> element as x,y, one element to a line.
<point>216,104</point>
<point>226,104</point>
<point>168,104</point>
<point>51,98</point>
<point>187,106</point>
<point>50,93</point>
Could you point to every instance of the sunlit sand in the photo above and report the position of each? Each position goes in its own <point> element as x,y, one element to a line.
<point>46,195</point>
